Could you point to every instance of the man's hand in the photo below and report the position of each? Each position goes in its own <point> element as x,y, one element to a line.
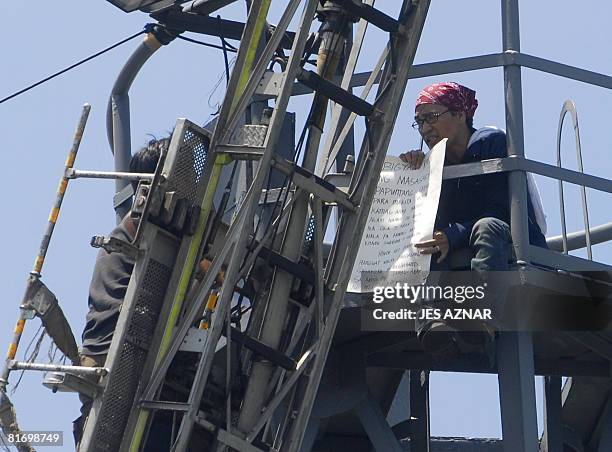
<point>413,158</point>
<point>203,268</point>
<point>438,244</point>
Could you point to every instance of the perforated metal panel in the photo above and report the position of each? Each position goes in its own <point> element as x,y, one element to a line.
<point>309,235</point>
<point>135,334</point>
<point>187,169</point>
<point>127,371</point>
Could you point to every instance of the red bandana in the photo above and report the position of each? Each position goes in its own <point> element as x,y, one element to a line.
<point>452,95</point>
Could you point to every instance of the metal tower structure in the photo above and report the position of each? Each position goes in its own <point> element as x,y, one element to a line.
<point>257,378</point>
<point>289,334</point>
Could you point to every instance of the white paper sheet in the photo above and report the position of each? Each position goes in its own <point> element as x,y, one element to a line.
<point>403,213</point>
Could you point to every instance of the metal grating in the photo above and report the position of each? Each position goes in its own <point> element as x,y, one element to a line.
<point>126,373</point>
<point>250,135</point>
<point>187,171</point>
<point>309,235</point>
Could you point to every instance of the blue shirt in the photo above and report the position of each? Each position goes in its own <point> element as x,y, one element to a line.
<point>466,200</point>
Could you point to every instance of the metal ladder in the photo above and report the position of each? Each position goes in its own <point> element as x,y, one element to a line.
<point>284,354</point>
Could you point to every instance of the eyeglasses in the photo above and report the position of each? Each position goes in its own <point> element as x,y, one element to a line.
<point>429,118</point>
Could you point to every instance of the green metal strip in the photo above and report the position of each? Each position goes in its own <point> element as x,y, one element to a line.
<point>220,161</point>
<point>183,285</point>
<point>251,53</point>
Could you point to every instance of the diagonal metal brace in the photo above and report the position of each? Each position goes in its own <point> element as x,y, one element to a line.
<point>335,93</point>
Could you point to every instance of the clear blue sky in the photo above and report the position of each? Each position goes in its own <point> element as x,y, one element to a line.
<point>42,37</point>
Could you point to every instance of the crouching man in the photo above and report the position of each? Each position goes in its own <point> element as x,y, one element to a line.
<point>473,211</point>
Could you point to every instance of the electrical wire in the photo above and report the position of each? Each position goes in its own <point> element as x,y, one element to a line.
<point>33,356</point>
<point>227,45</point>
<point>224,47</point>
<point>63,71</point>
<point>215,87</point>
<point>299,147</point>
<point>230,48</point>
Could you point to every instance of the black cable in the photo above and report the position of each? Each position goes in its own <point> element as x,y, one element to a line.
<point>297,152</point>
<point>207,44</point>
<point>32,357</point>
<point>288,180</point>
<point>227,44</point>
<point>89,58</point>
<point>224,48</point>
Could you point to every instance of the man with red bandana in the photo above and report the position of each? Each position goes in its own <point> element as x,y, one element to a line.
<point>473,212</point>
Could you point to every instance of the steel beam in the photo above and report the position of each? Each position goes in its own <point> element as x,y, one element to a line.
<point>515,350</point>
<point>474,63</point>
<point>577,240</point>
<point>229,29</point>
<point>513,90</point>
<point>77,370</point>
<point>376,426</point>
<point>593,342</point>
<point>552,440</point>
<point>516,163</point>
<point>409,360</point>
<point>516,391</point>
<point>565,262</point>
<point>79,174</point>
<point>562,70</point>
<point>419,411</point>
<point>205,7</point>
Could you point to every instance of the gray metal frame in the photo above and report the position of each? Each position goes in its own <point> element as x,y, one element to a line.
<point>515,350</point>
<point>363,189</point>
<point>279,401</point>
<point>159,264</point>
<point>101,425</point>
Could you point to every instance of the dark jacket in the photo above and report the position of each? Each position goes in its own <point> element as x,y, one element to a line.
<point>465,200</point>
<point>109,283</point>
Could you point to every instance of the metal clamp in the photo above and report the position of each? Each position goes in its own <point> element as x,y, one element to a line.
<point>114,245</point>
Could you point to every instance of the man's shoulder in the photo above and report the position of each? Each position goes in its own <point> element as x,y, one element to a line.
<point>488,142</point>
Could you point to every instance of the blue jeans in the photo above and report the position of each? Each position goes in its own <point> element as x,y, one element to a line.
<point>490,242</point>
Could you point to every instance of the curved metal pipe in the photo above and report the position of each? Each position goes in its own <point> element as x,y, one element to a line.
<point>578,240</point>
<point>118,113</point>
<point>570,107</point>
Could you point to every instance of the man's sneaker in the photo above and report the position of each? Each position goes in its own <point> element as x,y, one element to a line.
<point>439,340</point>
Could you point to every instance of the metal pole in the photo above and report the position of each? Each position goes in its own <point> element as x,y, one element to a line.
<point>8,417</point>
<point>515,350</point>
<point>517,180</point>
<point>419,411</point>
<point>79,174</point>
<point>77,370</point>
<point>44,245</point>
<point>516,391</point>
<point>118,111</point>
<point>553,424</point>
<point>568,106</point>
<point>577,240</point>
